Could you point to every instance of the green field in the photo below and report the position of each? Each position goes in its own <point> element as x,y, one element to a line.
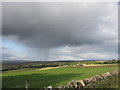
<point>53,77</point>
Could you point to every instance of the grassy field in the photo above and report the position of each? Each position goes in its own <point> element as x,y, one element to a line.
<point>53,77</point>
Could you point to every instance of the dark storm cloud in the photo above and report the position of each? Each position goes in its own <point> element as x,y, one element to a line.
<point>48,25</point>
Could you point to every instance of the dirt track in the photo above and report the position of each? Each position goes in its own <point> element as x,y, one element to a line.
<point>48,68</point>
<point>92,65</point>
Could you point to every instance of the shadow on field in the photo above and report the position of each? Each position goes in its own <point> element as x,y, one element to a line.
<point>36,80</point>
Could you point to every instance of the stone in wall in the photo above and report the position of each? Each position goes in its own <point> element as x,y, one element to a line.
<point>99,77</point>
<point>114,73</point>
<point>105,75</point>
<point>82,82</point>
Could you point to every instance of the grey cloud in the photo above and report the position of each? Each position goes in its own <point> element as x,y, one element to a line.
<point>6,56</point>
<point>3,48</point>
<point>49,25</point>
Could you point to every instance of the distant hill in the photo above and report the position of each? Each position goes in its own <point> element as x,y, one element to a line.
<point>10,62</point>
<point>4,62</point>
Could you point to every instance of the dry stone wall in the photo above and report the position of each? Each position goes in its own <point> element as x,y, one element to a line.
<point>84,82</point>
<point>88,81</point>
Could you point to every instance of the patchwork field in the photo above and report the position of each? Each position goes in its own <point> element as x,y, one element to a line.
<point>54,77</point>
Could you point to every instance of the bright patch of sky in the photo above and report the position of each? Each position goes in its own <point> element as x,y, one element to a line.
<point>13,45</point>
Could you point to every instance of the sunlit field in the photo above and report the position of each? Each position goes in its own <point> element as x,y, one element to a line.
<point>58,76</point>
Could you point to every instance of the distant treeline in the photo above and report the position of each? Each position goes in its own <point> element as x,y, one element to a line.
<point>54,64</point>
<point>15,67</point>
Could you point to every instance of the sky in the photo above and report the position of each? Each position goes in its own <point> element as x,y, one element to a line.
<point>59,31</point>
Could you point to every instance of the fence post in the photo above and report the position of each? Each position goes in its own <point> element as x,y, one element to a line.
<point>26,84</point>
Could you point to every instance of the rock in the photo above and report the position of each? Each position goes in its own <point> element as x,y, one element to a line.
<point>82,82</point>
<point>94,80</point>
<point>67,86</point>
<point>114,74</point>
<point>61,86</point>
<point>87,81</point>
<point>71,84</point>
<point>79,85</point>
<point>105,75</point>
<point>98,77</point>
<point>75,84</point>
<point>49,86</point>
